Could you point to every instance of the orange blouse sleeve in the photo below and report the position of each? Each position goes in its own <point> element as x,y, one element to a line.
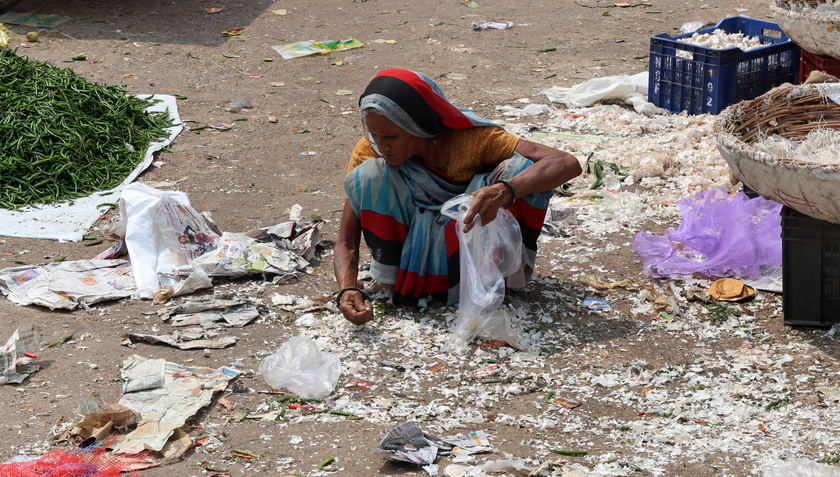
<point>362,151</point>
<point>477,150</point>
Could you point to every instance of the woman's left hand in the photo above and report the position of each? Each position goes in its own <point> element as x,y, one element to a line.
<point>550,169</point>
<point>485,207</point>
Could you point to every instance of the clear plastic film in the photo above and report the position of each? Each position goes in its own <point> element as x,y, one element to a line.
<point>488,253</point>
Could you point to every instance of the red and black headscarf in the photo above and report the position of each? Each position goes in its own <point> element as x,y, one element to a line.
<point>416,103</point>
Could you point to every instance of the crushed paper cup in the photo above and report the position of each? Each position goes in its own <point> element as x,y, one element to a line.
<point>730,289</point>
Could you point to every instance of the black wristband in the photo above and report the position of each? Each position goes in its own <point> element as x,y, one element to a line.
<point>512,192</point>
<point>341,292</point>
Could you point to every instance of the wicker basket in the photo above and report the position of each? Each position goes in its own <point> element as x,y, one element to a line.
<point>817,34</point>
<point>791,112</point>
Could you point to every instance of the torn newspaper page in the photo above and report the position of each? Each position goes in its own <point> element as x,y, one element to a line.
<point>164,409</point>
<point>188,338</point>
<point>238,255</point>
<point>475,442</point>
<point>108,424</point>
<point>302,238</point>
<point>68,285</point>
<point>14,368</point>
<point>205,311</point>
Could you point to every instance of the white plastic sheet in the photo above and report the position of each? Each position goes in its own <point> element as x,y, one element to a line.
<point>632,90</point>
<point>70,221</point>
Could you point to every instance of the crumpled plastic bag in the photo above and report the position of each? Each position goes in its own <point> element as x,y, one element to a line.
<point>488,253</point>
<point>492,25</point>
<point>162,232</point>
<point>302,368</point>
<point>720,236</point>
<point>691,27</point>
<point>632,90</point>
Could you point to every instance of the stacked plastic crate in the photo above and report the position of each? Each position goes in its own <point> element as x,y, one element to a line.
<point>700,80</point>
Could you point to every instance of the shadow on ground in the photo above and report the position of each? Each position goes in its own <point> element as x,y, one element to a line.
<point>182,22</point>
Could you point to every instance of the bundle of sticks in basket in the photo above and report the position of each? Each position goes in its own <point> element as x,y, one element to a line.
<point>791,112</point>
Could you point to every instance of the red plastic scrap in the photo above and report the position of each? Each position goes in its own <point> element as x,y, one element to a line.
<point>359,385</point>
<point>487,370</point>
<point>494,344</point>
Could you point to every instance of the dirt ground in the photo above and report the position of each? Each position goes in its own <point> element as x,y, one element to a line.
<point>251,175</point>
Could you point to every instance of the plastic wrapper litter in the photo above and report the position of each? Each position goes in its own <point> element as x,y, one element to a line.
<point>302,368</point>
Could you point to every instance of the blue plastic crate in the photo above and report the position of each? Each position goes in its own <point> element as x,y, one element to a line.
<point>699,80</point>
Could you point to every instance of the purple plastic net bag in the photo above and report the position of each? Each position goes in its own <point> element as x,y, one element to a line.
<point>720,236</point>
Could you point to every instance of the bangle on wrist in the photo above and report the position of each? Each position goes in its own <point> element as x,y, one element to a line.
<point>341,292</point>
<point>510,188</point>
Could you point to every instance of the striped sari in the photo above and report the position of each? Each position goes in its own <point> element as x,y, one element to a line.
<point>414,247</point>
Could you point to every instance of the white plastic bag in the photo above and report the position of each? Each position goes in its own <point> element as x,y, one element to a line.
<point>598,89</point>
<point>302,368</point>
<point>528,110</point>
<point>691,27</point>
<point>632,90</point>
<point>162,233</point>
<point>488,253</point>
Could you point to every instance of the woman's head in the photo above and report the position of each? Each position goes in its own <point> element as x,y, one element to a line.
<point>393,143</point>
<point>415,103</point>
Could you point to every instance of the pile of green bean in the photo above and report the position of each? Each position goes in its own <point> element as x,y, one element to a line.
<point>63,137</point>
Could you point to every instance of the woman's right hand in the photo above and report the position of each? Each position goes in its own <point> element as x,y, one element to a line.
<point>353,305</point>
<point>355,308</point>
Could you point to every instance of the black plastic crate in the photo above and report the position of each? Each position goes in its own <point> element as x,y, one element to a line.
<point>811,270</point>
<point>700,80</point>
